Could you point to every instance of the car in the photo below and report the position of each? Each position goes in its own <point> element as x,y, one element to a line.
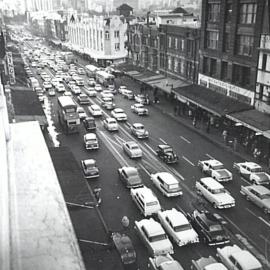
<point>81,71</point>
<point>130,177</point>
<point>110,124</point>
<point>89,123</point>
<point>112,89</point>
<point>47,85</point>
<point>205,263</point>
<point>178,227</point>
<point>41,97</point>
<point>142,99</point>
<point>98,87</point>
<point>119,114</point>
<point>138,130</point>
<point>210,227</point>
<point>139,109</point>
<point>81,112</point>
<point>90,170</point>
<point>76,90</point>
<point>47,78</point>
<point>107,103</point>
<point>166,262</point>
<point>215,193</point>
<point>154,237</point>
<point>167,184</point>
<point>122,88</point>
<point>91,82</point>
<point>67,93</point>
<point>51,92</point>
<point>71,84</point>
<point>54,82</point>
<point>90,141</point>
<point>67,78</point>
<point>233,257</point>
<point>132,149</point>
<point>95,110</point>
<point>38,89</point>
<point>253,173</point>
<point>83,99</point>
<point>259,195</point>
<point>215,169</point>
<point>60,88</point>
<point>166,153</point>
<point>128,94</point>
<point>90,91</point>
<point>106,93</point>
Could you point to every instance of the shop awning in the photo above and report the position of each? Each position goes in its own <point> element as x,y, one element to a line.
<point>253,119</point>
<point>209,100</point>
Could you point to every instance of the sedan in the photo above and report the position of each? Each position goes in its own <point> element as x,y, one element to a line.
<point>132,149</point>
<point>106,94</point>
<point>90,170</point>
<point>60,88</point>
<point>164,262</point>
<point>130,177</point>
<point>76,90</point>
<point>139,109</point>
<point>110,124</point>
<point>121,89</point>
<point>138,130</point>
<point>95,110</point>
<point>90,91</point>
<point>119,114</point>
<point>47,85</point>
<point>81,112</point>
<point>91,82</point>
<point>98,87</point>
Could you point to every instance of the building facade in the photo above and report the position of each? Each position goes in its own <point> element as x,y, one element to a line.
<point>39,5</point>
<point>230,36</point>
<point>102,38</point>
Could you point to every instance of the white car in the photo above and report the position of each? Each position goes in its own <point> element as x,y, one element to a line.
<point>138,130</point>
<point>90,141</point>
<point>165,262</point>
<point>107,94</point>
<point>81,71</point>
<point>95,110</point>
<point>119,114</point>
<point>90,91</point>
<point>154,237</point>
<point>76,89</point>
<point>54,82</point>
<point>122,88</point>
<point>98,87</point>
<point>215,169</point>
<point>207,263</point>
<point>215,193</point>
<point>81,112</point>
<point>252,172</point>
<point>47,85</point>
<point>60,88</point>
<point>128,94</point>
<point>67,93</point>
<point>132,149</point>
<point>233,257</point>
<point>91,82</point>
<point>110,124</point>
<point>167,184</point>
<point>139,109</point>
<point>178,227</point>
<point>51,92</point>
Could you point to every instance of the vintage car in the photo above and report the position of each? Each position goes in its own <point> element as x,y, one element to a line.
<point>95,110</point>
<point>138,130</point>
<point>215,169</point>
<point>90,170</point>
<point>81,112</point>
<point>107,103</point>
<point>178,227</point>
<point>139,109</point>
<point>60,88</point>
<point>132,149</point>
<point>110,124</point>
<point>130,177</point>
<point>89,123</point>
<point>91,82</point>
<point>206,263</point>
<point>83,99</point>
<point>259,195</point>
<point>214,192</point>
<point>121,89</point>
<point>142,99</point>
<point>106,94</point>
<point>51,92</point>
<point>98,87</point>
<point>164,262</point>
<point>90,141</point>
<point>210,227</point>
<point>47,85</point>
<point>90,91</point>
<point>252,172</point>
<point>233,257</point>
<point>154,237</point>
<point>119,114</point>
<point>166,153</point>
<point>76,90</point>
<point>128,94</point>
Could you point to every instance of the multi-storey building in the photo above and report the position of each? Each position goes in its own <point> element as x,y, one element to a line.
<point>39,5</point>
<point>103,38</point>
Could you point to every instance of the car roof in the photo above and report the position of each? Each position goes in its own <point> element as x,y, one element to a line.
<point>111,119</point>
<point>118,110</point>
<point>164,146</point>
<point>176,217</point>
<point>130,169</point>
<point>212,183</point>
<point>138,104</point>
<point>90,136</point>
<point>147,194</point>
<point>167,177</point>
<point>260,189</point>
<point>94,106</point>
<point>130,143</point>
<point>251,164</point>
<point>214,162</point>
<point>138,125</point>
<point>89,162</point>
<point>90,118</point>
<point>152,227</point>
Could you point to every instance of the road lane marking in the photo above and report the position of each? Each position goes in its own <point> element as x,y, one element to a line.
<point>259,217</point>
<point>128,124</point>
<point>251,212</point>
<point>245,180</point>
<point>264,221</point>
<point>162,140</point>
<point>188,161</point>
<point>147,172</point>
<point>119,139</point>
<point>184,139</point>
<point>177,173</point>
<point>150,148</point>
<point>209,156</point>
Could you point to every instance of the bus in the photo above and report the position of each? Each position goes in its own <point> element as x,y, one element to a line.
<point>91,70</point>
<point>67,114</point>
<point>104,78</point>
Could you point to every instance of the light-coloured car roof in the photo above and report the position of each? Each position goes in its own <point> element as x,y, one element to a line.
<point>138,125</point>
<point>251,164</point>
<point>132,143</point>
<point>94,106</point>
<point>176,217</point>
<point>118,110</point>
<point>147,194</point>
<point>260,189</point>
<point>90,136</point>
<point>110,119</point>
<point>89,162</point>
<point>152,227</point>
<point>212,183</point>
<point>213,162</point>
<point>167,177</point>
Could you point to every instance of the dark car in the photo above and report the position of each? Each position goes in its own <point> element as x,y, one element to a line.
<point>210,227</point>
<point>89,123</point>
<point>130,177</point>
<point>166,153</point>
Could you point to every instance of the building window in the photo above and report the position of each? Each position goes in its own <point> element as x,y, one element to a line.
<point>189,69</point>
<point>212,40</point>
<point>264,61</point>
<point>228,15</point>
<point>241,75</point>
<point>189,47</point>
<point>176,65</point>
<point>169,63</point>
<point>176,43</point>
<point>116,34</point>
<point>226,43</point>
<point>260,94</point>
<point>210,66</point>
<point>213,12</point>
<point>169,42</point>
<point>244,45</point>
<point>107,35</point>
<point>224,70</point>
<point>117,46</point>
<point>247,13</point>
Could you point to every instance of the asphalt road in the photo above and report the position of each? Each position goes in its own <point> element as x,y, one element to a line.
<point>249,227</point>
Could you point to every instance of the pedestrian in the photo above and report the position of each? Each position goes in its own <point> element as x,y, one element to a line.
<point>194,122</point>
<point>212,120</point>
<point>225,136</point>
<point>208,126</point>
<point>189,113</point>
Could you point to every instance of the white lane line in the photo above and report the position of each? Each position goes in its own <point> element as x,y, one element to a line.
<point>245,180</point>
<point>162,141</point>
<point>251,212</point>
<point>119,139</point>
<point>188,161</point>
<point>145,169</point>
<point>178,174</point>
<point>209,156</point>
<point>150,148</point>
<point>184,139</point>
<point>264,221</point>
<point>260,218</point>
<point>128,124</point>
<point>264,238</point>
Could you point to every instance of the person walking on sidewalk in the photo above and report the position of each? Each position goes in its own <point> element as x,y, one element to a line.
<point>225,136</point>
<point>194,122</point>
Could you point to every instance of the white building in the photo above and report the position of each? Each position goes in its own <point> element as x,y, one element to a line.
<point>39,5</point>
<point>103,38</point>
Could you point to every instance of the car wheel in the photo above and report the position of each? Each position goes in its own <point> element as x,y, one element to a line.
<point>247,198</point>
<point>215,205</point>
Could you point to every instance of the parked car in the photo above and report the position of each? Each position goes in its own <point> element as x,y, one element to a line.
<point>178,227</point>
<point>119,114</point>
<point>90,170</point>
<point>259,195</point>
<point>132,149</point>
<point>252,172</point>
<point>142,99</point>
<point>110,124</point>
<point>83,99</point>
<point>130,177</point>
<point>138,130</point>
<point>166,262</point>
<point>90,91</point>
<point>107,103</point>
<point>210,227</point>
<point>233,257</point>
<point>215,169</point>
<point>81,112</point>
<point>154,237</point>
<point>166,153</point>
<point>205,263</point>
<point>139,109</point>
<point>95,110</point>
<point>89,123</point>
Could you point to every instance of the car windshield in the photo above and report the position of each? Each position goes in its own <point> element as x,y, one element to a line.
<point>134,147</point>
<point>157,238</point>
<point>167,150</point>
<point>218,190</point>
<point>215,228</point>
<point>139,127</point>
<point>257,169</point>
<point>218,167</point>
<point>265,196</point>
<point>182,228</point>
